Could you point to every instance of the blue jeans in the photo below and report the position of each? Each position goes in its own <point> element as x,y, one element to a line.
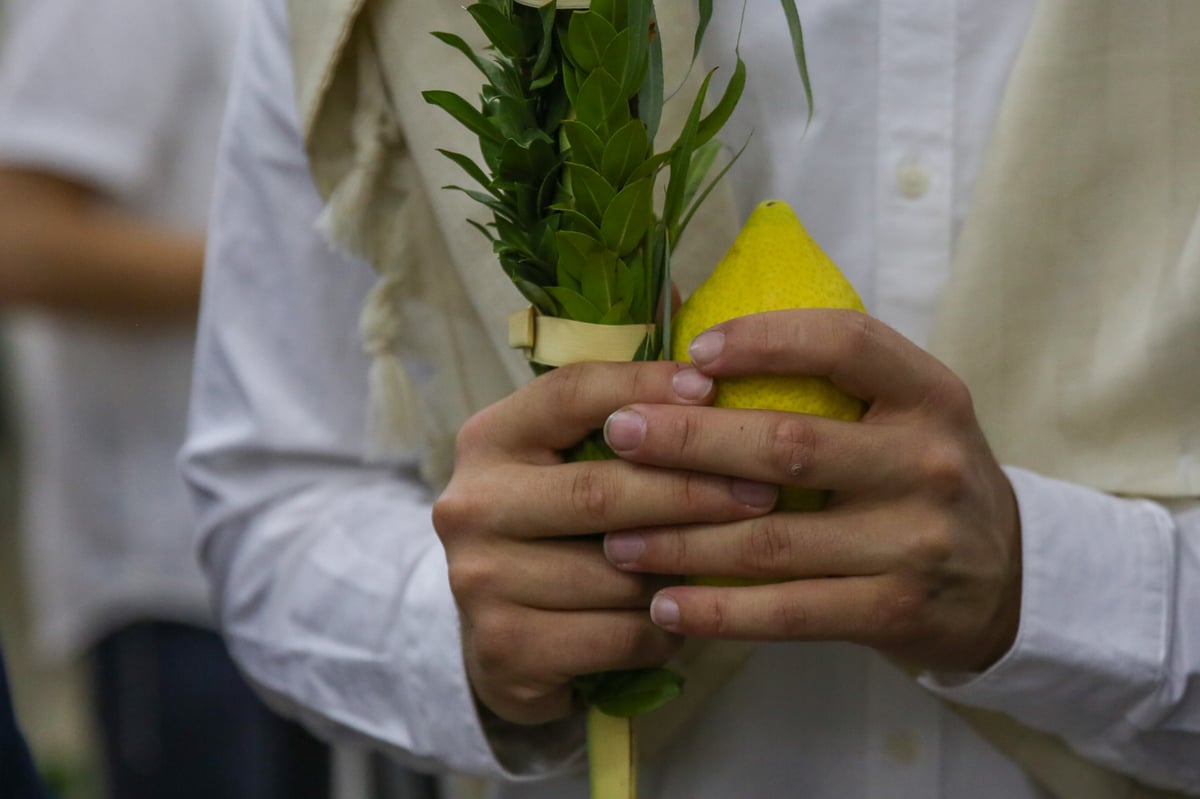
<point>177,720</point>
<point>18,779</point>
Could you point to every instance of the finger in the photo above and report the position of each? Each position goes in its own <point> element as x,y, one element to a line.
<point>554,575</point>
<point>766,446</point>
<point>597,496</point>
<point>852,609</point>
<point>779,546</point>
<point>859,354</point>
<point>559,409</point>
<point>521,662</point>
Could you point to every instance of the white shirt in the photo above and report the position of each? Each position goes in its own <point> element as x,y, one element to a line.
<point>331,583</point>
<point>125,97</point>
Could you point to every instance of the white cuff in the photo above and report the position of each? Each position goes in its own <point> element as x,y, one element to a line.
<point>1094,613</point>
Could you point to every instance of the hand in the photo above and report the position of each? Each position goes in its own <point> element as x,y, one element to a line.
<point>539,602</point>
<point>918,551</point>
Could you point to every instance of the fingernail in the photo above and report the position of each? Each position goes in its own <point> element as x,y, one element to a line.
<point>692,384</point>
<point>664,612</point>
<point>623,549</point>
<point>706,347</point>
<point>756,495</point>
<point>625,430</point>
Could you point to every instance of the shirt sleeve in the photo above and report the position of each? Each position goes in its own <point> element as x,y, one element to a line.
<point>86,87</point>
<point>1108,651</point>
<point>326,573</point>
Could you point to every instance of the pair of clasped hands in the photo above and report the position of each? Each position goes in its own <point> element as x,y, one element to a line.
<point>917,553</point>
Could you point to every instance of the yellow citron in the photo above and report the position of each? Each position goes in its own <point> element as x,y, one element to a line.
<point>773,265</point>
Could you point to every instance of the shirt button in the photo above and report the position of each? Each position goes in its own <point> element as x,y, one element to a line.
<point>912,180</point>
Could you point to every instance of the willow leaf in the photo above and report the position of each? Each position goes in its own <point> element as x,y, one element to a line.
<point>681,160</point>
<point>797,34</point>
<point>724,109</point>
<point>651,97</point>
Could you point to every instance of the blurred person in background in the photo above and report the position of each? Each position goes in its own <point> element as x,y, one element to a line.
<point>18,779</point>
<point>109,119</point>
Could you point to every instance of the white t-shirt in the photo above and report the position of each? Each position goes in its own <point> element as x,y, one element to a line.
<point>125,96</point>
<point>332,585</point>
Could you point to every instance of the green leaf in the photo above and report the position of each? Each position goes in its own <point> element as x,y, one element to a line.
<point>615,12</point>
<point>497,206</point>
<point>586,147</point>
<point>537,296</point>
<point>702,163</point>
<point>545,48</point>
<point>513,117</point>
<point>574,251</point>
<point>712,185</point>
<point>628,217</point>
<point>706,12</point>
<point>571,83</point>
<point>631,289</point>
<point>629,693</point>
<point>526,164</point>
<point>797,33</point>
<point>729,100</point>
<point>487,234</point>
<point>501,30</point>
<point>592,192</point>
<point>501,78</point>
<point>470,167</point>
<point>575,305</point>
<point>651,166</point>
<point>588,36</point>
<point>625,63</point>
<point>625,152</point>
<point>598,98</point>
<point>468,115</point>
<point>681,160</point>
<point>599,280</point>
<point>618,314</point>
<point>650,98</point>
<point>573,220</point>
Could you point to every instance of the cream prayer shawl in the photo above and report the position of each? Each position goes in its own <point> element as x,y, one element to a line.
<point>1097,134</point>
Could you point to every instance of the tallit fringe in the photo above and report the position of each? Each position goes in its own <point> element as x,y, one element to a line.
<point>395,416</point>
<point>351,220</point>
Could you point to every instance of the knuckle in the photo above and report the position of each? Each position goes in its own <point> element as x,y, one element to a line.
<point>633,643</point>
<point>564,386</point>
<point>900,614</point>
<point>684,432</point>
<point>858,333</point>
<point>592,493</point>
<point>952,399</point>
<point>792,618</point>
<point>472,576</point>
<point>945,469</point>
<point>473,433</point>
<point>791,445</point>
<point>495,640</point>
<point>768,548</point>
<point>768,336</point>
<point>453,513</point>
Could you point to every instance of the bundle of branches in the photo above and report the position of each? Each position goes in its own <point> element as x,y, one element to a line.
<point>567,119</point>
